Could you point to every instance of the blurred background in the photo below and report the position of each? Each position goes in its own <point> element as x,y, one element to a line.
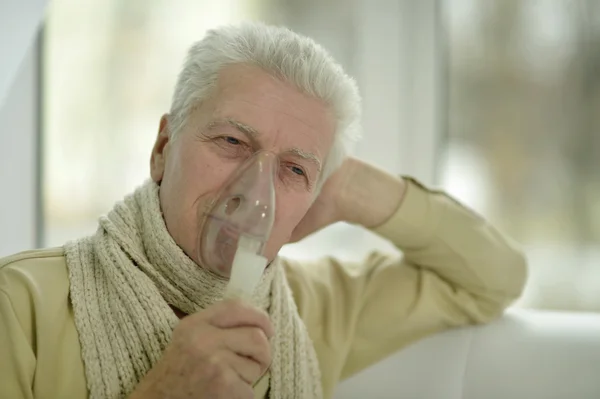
<point>496,101</point>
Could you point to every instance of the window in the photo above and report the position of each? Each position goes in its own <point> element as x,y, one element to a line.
<point>522,143</point>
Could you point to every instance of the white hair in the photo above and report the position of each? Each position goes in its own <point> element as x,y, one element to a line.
<point>283,54</point>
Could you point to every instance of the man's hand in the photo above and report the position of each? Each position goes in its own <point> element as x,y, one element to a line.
<point>217,353</point>
<point>356,193</point>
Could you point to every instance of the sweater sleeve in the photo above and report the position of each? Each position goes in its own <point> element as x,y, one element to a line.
<point>456,270</point>
<point>17,364</point>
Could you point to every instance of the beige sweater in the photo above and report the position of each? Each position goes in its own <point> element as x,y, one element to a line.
<point>456,270</point>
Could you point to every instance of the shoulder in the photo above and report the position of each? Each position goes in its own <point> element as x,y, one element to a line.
<point>47,266</point>
<point>27,258</point>
<point>315,284</point>
<point>39,331</point>
<point>328,272</point>
<point>33,280</point>
<point>329,282</point>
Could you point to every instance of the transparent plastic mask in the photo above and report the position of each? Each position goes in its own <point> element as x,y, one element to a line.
<point>237,227</point>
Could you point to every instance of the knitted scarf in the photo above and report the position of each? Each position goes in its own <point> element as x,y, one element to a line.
<point>122,281</point>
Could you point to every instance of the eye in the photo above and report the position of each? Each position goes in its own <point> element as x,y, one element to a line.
<point>230,146</point>
<point>296,170</point>
<point>232,140</point>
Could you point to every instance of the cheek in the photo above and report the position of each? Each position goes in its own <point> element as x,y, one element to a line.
<point>290,210</point>
<point>203,172</point>
<point>290,213</point>
<point>189,185</point>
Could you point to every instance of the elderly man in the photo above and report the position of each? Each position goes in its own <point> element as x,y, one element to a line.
<point>132,311</point>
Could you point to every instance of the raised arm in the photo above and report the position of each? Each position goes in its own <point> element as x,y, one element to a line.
<point>456,270</point>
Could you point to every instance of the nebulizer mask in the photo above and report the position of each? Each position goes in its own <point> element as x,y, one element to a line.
<point>236,229</point>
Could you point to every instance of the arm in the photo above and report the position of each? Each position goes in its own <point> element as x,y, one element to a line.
<point>17,366</point>
<point>457,269</point>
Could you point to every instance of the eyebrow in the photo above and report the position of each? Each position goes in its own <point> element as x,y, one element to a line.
<point>307,156</point>
<point>253,134</point>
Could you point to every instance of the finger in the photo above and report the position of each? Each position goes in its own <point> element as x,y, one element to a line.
<point>235,313</point>
<point>229,384</point>
<point>250,342</point>
<point>246,368</point>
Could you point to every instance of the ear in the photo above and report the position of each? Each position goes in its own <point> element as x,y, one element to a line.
<point>159,151</point>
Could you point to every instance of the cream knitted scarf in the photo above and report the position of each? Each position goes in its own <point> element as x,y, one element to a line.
<point>122,281</point>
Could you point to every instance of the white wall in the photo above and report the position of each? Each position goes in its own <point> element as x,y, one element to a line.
<point>18,162</point>
<point>19,20</point>
<point>19,120</point>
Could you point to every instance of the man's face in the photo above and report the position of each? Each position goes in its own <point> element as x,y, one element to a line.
<point>249,111</point>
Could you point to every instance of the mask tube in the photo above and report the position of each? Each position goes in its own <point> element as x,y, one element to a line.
<point>234,232</point>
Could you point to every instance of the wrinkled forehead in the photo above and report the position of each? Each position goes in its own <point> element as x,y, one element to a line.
<point>272,109</point>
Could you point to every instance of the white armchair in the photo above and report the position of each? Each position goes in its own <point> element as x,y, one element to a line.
<point>524,355</point>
